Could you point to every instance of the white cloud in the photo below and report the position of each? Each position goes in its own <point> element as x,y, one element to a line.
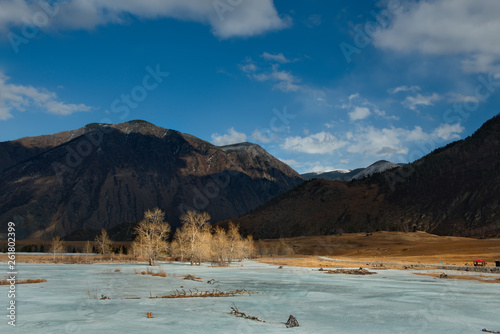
<point>417,134</point>
<point>369,142</point>
<point>379,142</point>
<point>330,124</point>
<point>318,143</point>
<point>283,80</point>
<point>448,131</point>
<point>359,113</point>
<point>291,162</point>
<point>20,98</point>
<point>482,63</point>
<point>360,108</point>
<point>249,68</point>
<point>314,20</point>
<point>387,142</point>
<point>260,136</point>
<point>280,58</point>
<point>460,98</point>
<point>403,88</point>
<point>383,114</point>
<point>353,96</point>
<point>442,27</point>
<point>226,18</point>
<point>412,102</point>
<point>232,137</point>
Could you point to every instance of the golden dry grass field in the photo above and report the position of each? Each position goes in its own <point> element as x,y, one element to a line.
<point>401,247</point>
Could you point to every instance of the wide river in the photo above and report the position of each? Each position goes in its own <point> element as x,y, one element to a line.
<point>389,302</point>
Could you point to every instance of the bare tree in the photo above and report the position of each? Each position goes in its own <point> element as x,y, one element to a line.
<point>88,248</point>
<point>220,247</point>
<point>193,236</point>
<point>103,243</point>
<point>135,249</point>
<point>249,247</point>
<point>152,233</point>
<point>178,247</point>
<point>56,246</point>
<point>284,248</point>
<point>235,242</point>
<point>203,250</point>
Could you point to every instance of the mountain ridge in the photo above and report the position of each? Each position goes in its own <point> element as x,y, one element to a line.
<point>351,174</point>
<point>109,175</point>
<point>454,190</point>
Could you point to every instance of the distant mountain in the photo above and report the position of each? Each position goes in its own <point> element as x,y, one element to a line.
<point>74,183</point>
<point>339,175</point>
<point>377,167</point>
<point>454,190</point>
<point>348,175</point>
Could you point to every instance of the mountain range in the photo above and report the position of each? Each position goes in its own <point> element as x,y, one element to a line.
<point>348,175</point>
<point>454,190</point>
<point>74,183</point>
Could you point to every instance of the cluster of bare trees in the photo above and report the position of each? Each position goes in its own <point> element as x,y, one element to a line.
<point>195,241</point>
<point>103,243</point>
<point>273,248</point>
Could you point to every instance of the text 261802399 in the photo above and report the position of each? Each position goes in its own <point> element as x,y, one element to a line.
<point>11,294</point>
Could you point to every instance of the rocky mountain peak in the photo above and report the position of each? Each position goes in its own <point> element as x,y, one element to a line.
<point>106,175</point>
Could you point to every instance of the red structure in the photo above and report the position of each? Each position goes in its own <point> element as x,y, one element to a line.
<point>479,263</point>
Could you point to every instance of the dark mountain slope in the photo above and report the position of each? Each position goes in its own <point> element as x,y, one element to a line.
<point>455,190</point>
<point>458,186</point>
<point>110,175</point>
<point>318,207</point>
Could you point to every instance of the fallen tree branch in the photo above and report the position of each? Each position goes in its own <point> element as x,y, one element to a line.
<point>238,313</point>
<point>27,281</point>
<point>212,293</point>
<point>488,331</point>
<point>359,271</point>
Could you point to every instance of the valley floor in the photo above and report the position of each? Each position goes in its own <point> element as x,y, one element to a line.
<point>415,248</point>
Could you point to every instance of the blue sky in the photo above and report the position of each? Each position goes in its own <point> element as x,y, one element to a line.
<point>319,84</point>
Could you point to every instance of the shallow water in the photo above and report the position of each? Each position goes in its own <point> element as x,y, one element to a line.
<point>389,302</point>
